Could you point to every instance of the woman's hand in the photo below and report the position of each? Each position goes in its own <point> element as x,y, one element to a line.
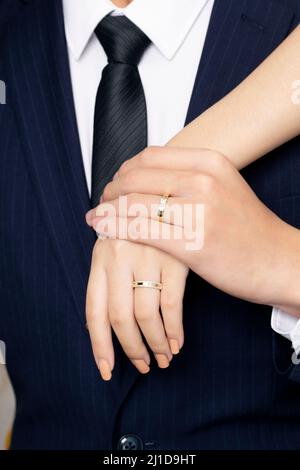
<point>141,316</point>
<point>248,251</point>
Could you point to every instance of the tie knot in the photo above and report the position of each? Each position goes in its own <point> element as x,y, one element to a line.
<point>122,40</point>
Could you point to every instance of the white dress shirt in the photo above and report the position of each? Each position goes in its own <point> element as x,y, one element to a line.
<point>177,29</point>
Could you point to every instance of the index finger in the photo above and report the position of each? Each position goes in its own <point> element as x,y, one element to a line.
<point>149,181</point>
<point>97,321</point>
<point>172,159</point>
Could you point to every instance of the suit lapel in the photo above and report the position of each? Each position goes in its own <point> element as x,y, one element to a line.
<point>241,34</point>
<point>44,111</point>
<point>42,100</point>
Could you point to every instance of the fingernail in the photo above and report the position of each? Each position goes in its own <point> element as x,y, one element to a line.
<point>105,369</point>
<point>88,218</point>
<point>174,346</point>
<point>99,211</point>
<point>162,361</point>
<point>95,223</point>
<point>141,366</point>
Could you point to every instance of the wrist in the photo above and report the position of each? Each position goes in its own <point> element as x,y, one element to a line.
<point>287,298</point>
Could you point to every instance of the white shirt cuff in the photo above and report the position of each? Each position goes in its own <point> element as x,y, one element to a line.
<point>288,326</point>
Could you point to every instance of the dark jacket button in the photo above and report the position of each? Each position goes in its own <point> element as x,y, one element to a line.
<point>130,442</point>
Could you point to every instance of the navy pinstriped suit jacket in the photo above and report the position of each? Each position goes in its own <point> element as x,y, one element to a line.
<point>233,386</point>
<point>9,8</point>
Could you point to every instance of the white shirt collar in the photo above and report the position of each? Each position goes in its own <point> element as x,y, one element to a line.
<point>166,22</point>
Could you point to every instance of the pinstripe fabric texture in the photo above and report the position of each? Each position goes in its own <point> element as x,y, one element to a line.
<point>233,385</point>
<point>8,9</point>
<point>120,122</point>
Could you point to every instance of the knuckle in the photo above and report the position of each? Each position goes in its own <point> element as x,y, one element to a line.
<point>170,303</point>
<point>132,198</point>
<point>133,350</point>
<point>97,249</point>
<point>117,320</point>
<point>147,154</point>
<point>173,331</point>
<point>123,168</point>
<point>218,161</point>
<point>160,346</point>
<point>182,182</point>
<point>106,192</point>
<point>208,184</point>
<point>197,181</point>
<point>145,316</point>
<point>119,248</point>
<point>129,178</point>
<point>92,314</point>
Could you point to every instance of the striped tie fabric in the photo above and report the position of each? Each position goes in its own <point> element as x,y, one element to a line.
<point>120,122</point>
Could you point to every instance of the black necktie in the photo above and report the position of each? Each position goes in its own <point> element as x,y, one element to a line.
<point>120,123</point>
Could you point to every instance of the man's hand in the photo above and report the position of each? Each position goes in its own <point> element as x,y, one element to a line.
<point>112,303</point>
<point>248,251</point>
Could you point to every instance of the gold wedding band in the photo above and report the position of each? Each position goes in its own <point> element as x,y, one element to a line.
<point>162,207</point>
<point>147,285</point>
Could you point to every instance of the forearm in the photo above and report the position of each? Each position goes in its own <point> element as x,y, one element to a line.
<point>256,117</point>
